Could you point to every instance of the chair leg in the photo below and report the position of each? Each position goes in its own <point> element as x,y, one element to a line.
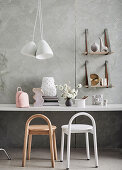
<point>62,147</point>
<point>95,149</point>
<point>1,149</point>
<point>55,147</point>
<point>51,149</point>
<point>29,145</point>
<point>87,146</point>
<point>68,150</point>
<point>25,147</point>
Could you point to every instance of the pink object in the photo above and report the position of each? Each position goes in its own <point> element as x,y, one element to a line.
<point>22,99</point>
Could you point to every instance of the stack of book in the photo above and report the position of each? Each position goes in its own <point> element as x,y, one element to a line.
<point>50,101</point>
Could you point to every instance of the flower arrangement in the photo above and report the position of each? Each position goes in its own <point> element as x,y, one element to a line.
<point>68,92</point>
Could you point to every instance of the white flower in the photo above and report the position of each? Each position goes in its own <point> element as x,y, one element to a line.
<point>79,86</point>
<point>69,95</point>
<point>65,95</point>
<point>61,87</point>
<point>65,85</point>
<point>73,91</point>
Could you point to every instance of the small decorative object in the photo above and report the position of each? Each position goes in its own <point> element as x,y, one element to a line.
<point>105,102</point>
<point>38,97</point>
<point>68,93</point>
<point>48,86</point>
<point>101,82</point>
<point>94,47</point>
<point>93,100</point>
<point>22,98</point>
<point>80,102</point>
<point>102,46</point>
<point>97,99</point>
<point>94,79</point>
<point>68,102</point>
<point>105,82</point>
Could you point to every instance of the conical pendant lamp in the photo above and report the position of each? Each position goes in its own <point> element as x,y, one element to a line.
<point>43,51</point>
<point>30,48</point>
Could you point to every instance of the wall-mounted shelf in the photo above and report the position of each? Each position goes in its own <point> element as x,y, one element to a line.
<point>97,53</point>
<point>106,41</point>
<point>96,86</point>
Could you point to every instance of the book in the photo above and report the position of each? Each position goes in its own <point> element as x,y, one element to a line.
<point>50,98</point>
<point>51,104</point>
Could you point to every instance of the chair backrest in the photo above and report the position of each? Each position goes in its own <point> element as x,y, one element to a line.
<point>82,114</point>
<point>39,116</point>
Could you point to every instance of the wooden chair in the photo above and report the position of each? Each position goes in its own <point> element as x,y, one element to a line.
<point>30,130</point>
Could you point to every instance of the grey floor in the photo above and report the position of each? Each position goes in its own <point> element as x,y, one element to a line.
<point>40,160</point>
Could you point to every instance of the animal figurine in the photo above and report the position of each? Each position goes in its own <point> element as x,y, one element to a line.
<point>38,97</point>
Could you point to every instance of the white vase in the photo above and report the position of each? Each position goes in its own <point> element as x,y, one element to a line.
<point>48,86</point>
<point>95,47</point>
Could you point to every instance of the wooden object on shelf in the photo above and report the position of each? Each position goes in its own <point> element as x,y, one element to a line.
<point>107,44</point>
<point>30,130</point>
<point>94,79</point>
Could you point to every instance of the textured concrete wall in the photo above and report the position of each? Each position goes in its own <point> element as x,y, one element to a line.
<point>16,27</point>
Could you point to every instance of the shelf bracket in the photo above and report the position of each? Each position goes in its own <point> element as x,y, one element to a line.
<point>106,71</point>
<point>86,41</point>
<point>86,74</point>
<point>106,39</point>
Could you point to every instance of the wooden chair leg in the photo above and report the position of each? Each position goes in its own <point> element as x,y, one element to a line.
<point>54,144</point>
<point>25,147</point>
<point>29,145</point>
<point>51,149</point>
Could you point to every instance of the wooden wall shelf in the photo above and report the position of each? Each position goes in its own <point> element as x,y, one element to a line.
<point>97,53</point>
<point>106,41</point>
<point>87,76</point>
<point>98,86</point>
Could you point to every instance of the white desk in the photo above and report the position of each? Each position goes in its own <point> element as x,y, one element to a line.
<point>110,107</point>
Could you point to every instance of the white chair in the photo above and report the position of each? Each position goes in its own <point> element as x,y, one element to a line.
<point>1,149</point>
<point>79,128</point>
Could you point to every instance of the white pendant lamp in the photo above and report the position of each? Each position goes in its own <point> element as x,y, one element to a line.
<point>30,48</point>
<point>43,50</point>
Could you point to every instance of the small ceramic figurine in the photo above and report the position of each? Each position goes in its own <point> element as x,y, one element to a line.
<point>38,97</point>
<point>94,47</point>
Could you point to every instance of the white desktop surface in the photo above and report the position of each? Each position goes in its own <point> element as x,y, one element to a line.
<point>110,107</point>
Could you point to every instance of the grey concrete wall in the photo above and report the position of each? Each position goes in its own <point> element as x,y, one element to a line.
<point>16,27</point>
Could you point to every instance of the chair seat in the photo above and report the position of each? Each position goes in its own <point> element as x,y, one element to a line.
<point>77,128</point>
<point>40,127</point>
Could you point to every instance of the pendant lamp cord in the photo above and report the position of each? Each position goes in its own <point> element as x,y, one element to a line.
<point>75,48</point>
<point>35,21</point>
<point>41,20</point>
